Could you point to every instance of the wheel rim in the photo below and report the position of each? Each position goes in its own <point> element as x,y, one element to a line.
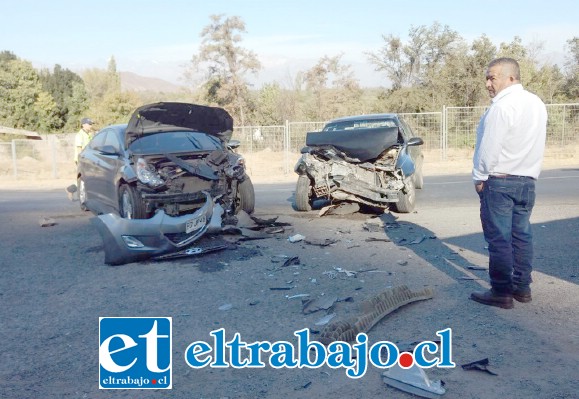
<point>127,205</point>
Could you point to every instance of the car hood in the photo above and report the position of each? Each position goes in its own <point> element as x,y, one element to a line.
<point>171,116</point>
<point>362,144</point>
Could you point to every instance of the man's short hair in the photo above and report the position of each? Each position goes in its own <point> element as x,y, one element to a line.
<point>510,63</point>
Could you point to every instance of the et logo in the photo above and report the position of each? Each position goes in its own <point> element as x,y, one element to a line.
<point>135,352</point>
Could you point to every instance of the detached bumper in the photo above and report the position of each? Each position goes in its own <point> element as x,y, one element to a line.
<point>130,240</point>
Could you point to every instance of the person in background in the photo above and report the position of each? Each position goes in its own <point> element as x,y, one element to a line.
<point>507,161</point>
<point>82,137</point>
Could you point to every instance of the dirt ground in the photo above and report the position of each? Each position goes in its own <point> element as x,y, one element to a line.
<point>52,299</point>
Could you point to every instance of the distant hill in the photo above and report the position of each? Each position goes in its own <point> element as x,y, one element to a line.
<point>132,81</point>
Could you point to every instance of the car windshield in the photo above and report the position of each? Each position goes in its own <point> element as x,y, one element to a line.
<point>359,124</point>
<point>175,142</point>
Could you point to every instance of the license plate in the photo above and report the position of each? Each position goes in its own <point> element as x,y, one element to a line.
<point>194,224</point>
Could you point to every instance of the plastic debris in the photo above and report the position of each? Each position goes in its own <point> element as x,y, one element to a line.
<point>314,305</point>
<point>481,365</point>
<point>325,320</point>
<point>414,381</point>
<point>294,260</point>
<point>296,238</point>
<point>226,306</point>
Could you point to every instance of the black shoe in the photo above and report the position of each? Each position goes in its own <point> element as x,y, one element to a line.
<point>492,298</point>
<point>522,295</point>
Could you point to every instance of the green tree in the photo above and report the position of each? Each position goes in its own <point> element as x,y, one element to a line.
<point>59,84</point>
<point>571,88</point>
<point>23,102</point>
<point>332,89</point>
<point>418,61</point>
<point>108,104</point>
<point>226,65</point>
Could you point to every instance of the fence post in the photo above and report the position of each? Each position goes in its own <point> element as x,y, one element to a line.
<point>286,146</point>
<point>444,132</point>
<point>53,150</point>
<point>14,165</point>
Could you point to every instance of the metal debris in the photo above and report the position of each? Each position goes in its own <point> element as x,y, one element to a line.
<point>294,260</point>
<point>192,251</point>
<point>320,242</point>
<point>414,381</point>
<point>226,306</point>
<point>46,222</point>
<point>375,239</point>
<point>343,208</point>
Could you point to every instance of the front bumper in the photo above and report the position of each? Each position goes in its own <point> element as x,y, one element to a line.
<point>130,240</point>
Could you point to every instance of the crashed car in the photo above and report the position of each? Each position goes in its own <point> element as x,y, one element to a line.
<point>158,183</point>
<point>373,160</point>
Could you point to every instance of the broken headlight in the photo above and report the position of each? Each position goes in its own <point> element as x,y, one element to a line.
<point>236,170</point>
<point>148,174</point>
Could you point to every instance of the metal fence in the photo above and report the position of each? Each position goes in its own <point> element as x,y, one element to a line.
<point>273,150</point>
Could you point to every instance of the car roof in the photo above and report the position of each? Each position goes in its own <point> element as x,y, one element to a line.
<point>365,117</point>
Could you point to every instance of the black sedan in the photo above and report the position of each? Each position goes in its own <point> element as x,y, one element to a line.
<point>158,182</point>
<point>373,160</point>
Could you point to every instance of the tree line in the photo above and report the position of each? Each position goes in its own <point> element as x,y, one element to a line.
<point>433,67</point>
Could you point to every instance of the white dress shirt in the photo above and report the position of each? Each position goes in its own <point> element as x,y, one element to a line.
<point>511,135</point>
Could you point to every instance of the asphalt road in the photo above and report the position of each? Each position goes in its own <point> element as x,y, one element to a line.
<point>54,286</point>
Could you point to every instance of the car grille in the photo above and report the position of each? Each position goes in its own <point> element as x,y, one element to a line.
<point>180,239</point>
<point>321,191</point>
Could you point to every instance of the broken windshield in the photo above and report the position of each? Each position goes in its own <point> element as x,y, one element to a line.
<point>175,142</point>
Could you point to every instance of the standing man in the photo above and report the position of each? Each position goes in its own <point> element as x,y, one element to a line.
<point>507,162</point>
<point>82,137</point>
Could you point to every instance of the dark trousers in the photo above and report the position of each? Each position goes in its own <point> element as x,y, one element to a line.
<point>506,204</point>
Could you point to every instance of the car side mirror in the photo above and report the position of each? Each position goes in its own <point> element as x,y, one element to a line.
<point>234,144</point>
<point>415,141</point>
<point>109,150</point>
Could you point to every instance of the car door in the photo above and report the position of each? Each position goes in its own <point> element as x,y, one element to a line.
<point>89,165</point>
<point>407,156</point>
<point>112,159</point>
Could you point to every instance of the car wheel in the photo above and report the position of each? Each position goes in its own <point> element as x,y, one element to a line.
<point>303,193</point>
<point>406,201</point>
<point>81,194</point>
<point>130,205</point>
<point>245,196</point>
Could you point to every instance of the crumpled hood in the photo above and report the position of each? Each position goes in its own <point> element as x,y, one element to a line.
<point>172,116</point>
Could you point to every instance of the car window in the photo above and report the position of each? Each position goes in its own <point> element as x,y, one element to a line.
<point>175,142</point>
<point>406,130</point>
<point>113,140</point>
<point>98,140</point>
<point>359,124</point>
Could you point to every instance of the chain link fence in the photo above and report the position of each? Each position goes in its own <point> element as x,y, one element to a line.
<point>273,150</point>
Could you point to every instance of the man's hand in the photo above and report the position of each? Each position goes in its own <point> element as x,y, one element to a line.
<point>478,186</point>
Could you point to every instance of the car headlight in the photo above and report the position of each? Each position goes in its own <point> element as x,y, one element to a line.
<point>236,170</point>
<point>147,174</point>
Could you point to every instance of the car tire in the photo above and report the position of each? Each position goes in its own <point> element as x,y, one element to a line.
<point>406,201</point>
<point>303,194</point>
<point>130,205</point>
<point>245,196</point>
<point>81,194</point>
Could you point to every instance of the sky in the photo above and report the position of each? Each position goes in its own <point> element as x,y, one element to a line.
<point>158,38</point>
